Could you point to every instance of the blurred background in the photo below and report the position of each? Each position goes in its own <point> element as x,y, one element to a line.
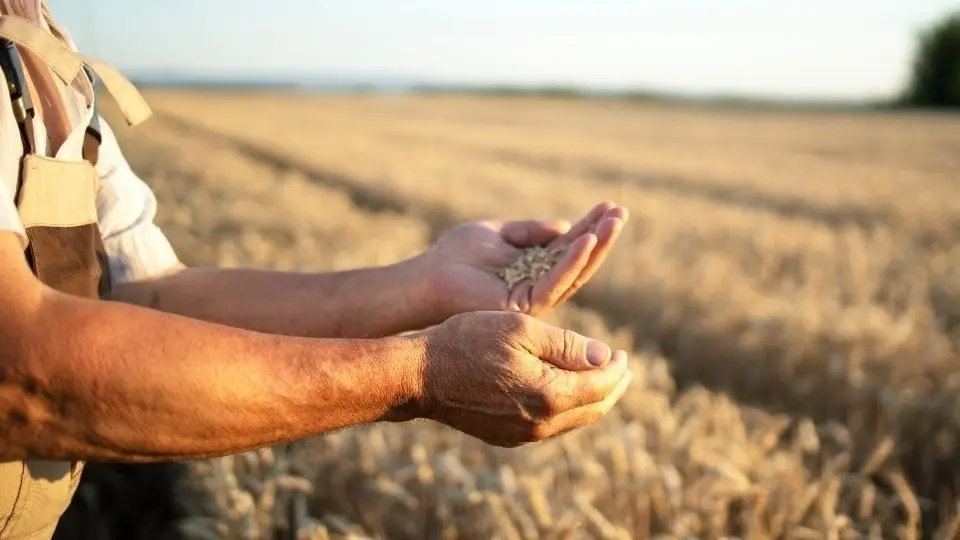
<point>788,282</point>
<point>817,50</point>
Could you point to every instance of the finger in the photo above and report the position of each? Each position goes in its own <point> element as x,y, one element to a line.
<point>540,424</point>
<point>520,297</point>
<point>533,232</point>
<point>562,348</point>
<point>576,389</point>
<point>585,224</point>
<point>608,230</point>
<point>618,212</point>
<point>548,290</point>
<point>568,421</point>
<point>591,218</point>
<point>571,390</point>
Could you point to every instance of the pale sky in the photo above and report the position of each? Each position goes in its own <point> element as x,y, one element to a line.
<point>777,48</point>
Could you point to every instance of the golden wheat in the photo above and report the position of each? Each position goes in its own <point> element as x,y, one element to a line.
<point>789,284</point>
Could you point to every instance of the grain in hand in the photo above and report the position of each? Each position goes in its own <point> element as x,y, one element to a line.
<point>533,263</point>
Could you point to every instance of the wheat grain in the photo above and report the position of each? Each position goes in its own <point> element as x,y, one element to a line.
<point>532,264</point>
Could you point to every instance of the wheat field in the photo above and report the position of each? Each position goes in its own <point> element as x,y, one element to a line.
<point>789,283</point>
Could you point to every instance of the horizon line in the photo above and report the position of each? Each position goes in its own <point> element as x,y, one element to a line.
<point>393,83</point>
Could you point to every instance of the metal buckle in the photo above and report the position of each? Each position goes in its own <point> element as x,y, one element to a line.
<point>12,67</point>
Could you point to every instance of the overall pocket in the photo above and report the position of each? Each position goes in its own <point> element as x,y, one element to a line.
<point>58,209</point>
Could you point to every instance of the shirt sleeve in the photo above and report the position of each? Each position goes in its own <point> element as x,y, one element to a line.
<point>10,151</point>
<point>136,247</point>
<point>9,217</point>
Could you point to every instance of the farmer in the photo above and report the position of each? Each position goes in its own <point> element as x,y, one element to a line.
<point>111,350</point>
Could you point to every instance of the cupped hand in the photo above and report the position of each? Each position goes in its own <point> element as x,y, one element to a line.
<point>464,262</point>
<point>509,379</point>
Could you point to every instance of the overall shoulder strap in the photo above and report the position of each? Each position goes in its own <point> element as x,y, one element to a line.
<point>132,105</point>
<point>62,60</point>
<point>54,48</point>
<point>56,199</point>
<point>20,101</point>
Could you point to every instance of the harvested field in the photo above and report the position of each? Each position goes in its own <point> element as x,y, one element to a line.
<point>790,283</point>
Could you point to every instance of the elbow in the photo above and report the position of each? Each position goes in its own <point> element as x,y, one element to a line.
<point>38,394</point>
<point>28,409</point>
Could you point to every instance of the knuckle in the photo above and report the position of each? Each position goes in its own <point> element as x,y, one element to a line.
<point>462,321</point>
<point>525,323</point>
<point>516,324</point>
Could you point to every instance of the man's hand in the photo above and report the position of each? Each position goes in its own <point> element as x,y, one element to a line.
<point>462,266</point>
<point>510,379</point>
<point>457,275</point>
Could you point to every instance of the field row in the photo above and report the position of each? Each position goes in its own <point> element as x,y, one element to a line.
<point>688,461</point>
<point>866,171</point>
<point>854,320</point>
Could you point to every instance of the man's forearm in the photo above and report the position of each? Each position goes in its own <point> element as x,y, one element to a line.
<point>369,302</point>
<point>124,383</point>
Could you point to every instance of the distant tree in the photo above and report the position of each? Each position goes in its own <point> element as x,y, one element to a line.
<point>935,79</point>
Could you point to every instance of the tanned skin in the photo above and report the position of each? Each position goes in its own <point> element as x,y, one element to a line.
<point>382,301</point>
<point>113,381</point>
<point>361,303</point>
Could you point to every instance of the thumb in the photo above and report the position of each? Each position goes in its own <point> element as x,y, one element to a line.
<point>567,349</point>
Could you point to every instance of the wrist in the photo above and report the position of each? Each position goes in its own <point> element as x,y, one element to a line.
<point>408,366</point>
<point>367,380</point>
<point>423,300</point>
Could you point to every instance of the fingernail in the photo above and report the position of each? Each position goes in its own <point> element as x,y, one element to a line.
<point>597,353</point>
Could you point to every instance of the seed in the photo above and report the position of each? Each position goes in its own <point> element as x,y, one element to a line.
<point>532,264</point>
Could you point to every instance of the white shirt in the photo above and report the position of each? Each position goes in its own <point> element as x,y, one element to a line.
<point>126,206</point>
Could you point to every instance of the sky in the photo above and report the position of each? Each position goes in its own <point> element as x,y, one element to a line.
<point>797,49</point>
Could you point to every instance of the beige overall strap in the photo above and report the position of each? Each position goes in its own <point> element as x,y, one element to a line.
<point>43,56</point>
<point>65,63</point>
<point>131,103</point>
<point>134,108</point>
